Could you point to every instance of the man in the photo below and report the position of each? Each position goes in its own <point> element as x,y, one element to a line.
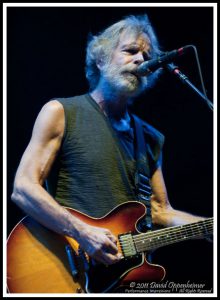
<point>84,148</point>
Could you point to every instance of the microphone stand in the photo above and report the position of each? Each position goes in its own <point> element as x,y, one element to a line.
<point>174,70</point>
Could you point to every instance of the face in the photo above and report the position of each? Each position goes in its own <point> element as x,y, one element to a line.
<point>119,74</point>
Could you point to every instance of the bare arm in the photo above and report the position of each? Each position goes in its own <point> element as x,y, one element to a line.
<point>162,212</point>
<point>33,199</point>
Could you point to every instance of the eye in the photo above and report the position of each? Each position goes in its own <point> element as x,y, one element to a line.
<point>131,50</point>
<point>134,51</point>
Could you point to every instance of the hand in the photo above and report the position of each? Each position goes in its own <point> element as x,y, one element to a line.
<point>100,244</point>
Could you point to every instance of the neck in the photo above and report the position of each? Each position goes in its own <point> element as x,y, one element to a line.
<point>113,106</point>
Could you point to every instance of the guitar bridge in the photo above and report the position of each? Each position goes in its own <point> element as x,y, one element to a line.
<point>127,244</point>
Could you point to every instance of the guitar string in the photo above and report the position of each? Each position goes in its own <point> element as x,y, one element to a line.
<point>152,244</point>
<point>174,235</point>
<point>178,232</point>
<point>176,228</point>
<point>162,239</point>
<point>181,228</point>
<point>195,230</point>
<point>142,248</point>
<point>170,231</point>
<point>126,245</point>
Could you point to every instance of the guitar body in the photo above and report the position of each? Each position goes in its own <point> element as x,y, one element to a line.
<point>37,261</point>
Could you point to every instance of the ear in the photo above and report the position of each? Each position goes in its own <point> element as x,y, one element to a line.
<point>100,63</point>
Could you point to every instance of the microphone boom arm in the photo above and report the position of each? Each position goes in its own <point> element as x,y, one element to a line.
<point>174,70</point>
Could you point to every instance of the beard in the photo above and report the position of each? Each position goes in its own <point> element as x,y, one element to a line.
<point>123,80</point>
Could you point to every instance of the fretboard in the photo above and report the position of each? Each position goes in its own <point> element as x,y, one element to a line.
<point>159,238</point>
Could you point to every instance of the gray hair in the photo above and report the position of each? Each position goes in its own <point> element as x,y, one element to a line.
<point>101,46</point>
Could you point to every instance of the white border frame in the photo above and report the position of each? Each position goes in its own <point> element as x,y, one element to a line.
<point>5,5</point>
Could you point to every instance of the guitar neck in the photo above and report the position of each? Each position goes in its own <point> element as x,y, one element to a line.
<point>159,238</point>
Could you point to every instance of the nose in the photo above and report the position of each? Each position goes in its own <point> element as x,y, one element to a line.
<point>138,58</point>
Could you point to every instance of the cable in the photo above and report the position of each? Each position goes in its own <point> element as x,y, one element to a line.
<point>210,104</point>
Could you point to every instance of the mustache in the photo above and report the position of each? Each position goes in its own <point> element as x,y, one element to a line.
<point>129,69</point>
<point>112,70</point>
<point>124,69</point>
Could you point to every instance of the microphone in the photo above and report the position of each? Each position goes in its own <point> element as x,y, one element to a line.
<point>152,65</point>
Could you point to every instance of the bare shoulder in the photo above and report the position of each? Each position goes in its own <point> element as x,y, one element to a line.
<point>50,119</point>
<point>52,110</point>
<point>53,106</point>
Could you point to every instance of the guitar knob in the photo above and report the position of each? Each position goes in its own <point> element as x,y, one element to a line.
<point>79,290</point>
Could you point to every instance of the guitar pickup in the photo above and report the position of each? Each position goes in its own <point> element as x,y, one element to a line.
<point>127,244</point>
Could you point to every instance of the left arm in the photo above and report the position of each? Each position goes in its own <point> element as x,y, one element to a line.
<point>163,213</point>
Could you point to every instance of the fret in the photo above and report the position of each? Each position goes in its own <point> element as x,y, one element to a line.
<point>155,239</point>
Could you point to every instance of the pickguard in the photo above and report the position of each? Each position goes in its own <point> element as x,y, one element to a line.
<point>102,278</point>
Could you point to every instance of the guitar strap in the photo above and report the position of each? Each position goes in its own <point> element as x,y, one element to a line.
<point>142,174</point>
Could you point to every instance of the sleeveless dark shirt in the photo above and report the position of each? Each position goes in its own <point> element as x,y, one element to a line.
<point>92,172</point>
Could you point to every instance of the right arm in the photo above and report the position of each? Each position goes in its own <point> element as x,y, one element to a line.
<point>33,199</point>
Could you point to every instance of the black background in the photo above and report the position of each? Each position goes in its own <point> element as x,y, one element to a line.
<point>45,59</point>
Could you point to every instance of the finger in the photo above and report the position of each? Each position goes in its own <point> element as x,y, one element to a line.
<point>109,258</point>
<point>112,238</point>
<point>110,247</point>
<point>109,233</point>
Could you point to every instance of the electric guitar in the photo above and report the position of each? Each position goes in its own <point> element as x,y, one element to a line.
<point>42,261</point>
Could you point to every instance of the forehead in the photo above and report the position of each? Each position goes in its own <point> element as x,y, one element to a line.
<point>141,40</point>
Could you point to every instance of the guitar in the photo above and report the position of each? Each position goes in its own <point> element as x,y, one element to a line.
<point>42,261</point>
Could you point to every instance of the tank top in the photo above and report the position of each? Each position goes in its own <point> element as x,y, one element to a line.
<point>92,172</point>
